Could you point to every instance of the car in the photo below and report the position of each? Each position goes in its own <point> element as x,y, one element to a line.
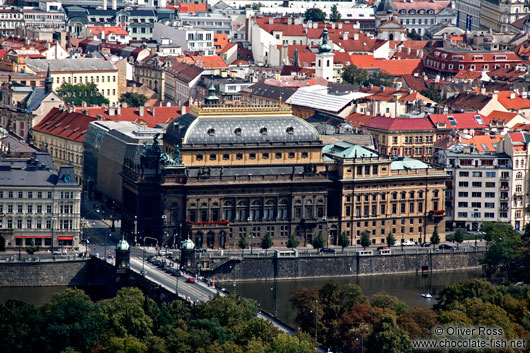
<point>200,250</point>
<point>59,252</point>
<point>379,248</point>
<point>409,243</point>
<point>426,245</point>
<point>397,243</point>
<point>327,251</point>
<point>191,280</point>
<point>445,246</point>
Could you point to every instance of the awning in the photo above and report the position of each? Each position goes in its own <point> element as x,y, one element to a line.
<point>65,238</point>
<point>32,236</point>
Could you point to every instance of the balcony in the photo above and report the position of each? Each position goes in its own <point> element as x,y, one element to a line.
<point>504,197</point>
<point>504,188</point>
<point>437,215</point>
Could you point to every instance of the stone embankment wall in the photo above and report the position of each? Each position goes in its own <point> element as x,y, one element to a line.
<point>335,265</point>
<point>45,273</point>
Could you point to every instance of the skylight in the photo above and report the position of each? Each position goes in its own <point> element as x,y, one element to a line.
<point>484,146</point>
<point>451,120</point>
<point>479,120</point>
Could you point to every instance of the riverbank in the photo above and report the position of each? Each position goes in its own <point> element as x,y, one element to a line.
<point>253,268</point>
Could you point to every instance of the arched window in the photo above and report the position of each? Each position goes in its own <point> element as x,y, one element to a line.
<point>411,194</point>
<point>403,195</point>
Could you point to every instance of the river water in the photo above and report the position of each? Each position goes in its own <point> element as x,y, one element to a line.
<point>406,287</point>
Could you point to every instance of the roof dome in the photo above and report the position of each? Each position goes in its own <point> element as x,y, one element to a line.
<point>324,47</point>
<point>188,244</point>
<point>123,245</point>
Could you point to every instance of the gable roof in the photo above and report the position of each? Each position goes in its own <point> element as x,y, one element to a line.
<point>460,121</point>
<point>399,124</point>
<point>210,62</point>
<point>184,72</point>
<point>153,116</point>
<point>517,102</point>
<point>497,115</point>
<point>467,102</point>
<point>484,143</point>
<point>64,124</point>
<point>415,83</point>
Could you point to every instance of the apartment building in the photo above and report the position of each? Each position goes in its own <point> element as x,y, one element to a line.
<point>420,15</point>
<point>479,189</point>
<point>10,18</point>
<point>49,14</point>
<point>74,71</point>
<point>381,194</point>
<point>193,39</point>
<point>468,14</point>
<point>407,137</point>
<point>39,206</point>
<point>497,15</point>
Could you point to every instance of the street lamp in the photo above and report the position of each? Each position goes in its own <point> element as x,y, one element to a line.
<point>53,223</point>
<point>324,218</point>
<point>164,218</point>
<point>251,232</point>
<point>136,230</point>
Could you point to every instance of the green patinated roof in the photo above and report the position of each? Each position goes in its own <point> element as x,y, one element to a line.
<point>345,149</point>
<point>123,245</point>
<point>401,163</point>
<point>188,244</point>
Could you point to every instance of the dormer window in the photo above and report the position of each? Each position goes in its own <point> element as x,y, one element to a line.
<point>263,131</point>
<point>211,131</point>
<point>237,131</point>
<point>290,130</point>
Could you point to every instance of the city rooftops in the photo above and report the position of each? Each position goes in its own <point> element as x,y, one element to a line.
<point>32,175</point>
<point>70,65</point>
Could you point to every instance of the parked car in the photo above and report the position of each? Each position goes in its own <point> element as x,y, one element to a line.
<point>200,250</point>
<point>191,280</point>
<point>379,248</point>
<point>397,243</point>
<point>327,251</point>
<point>426,245</point>
<point>445,246</point>
<point>409,243</point>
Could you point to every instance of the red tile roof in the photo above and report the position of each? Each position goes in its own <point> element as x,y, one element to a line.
<point>415,83</point>
<point>484,143</point>
<point>397,124</point>
<point>96,30</point>
<point>498,115</point>
<point>162,115</point>
<point>462,120</point>
<point>357,119</point>
<point>516,103</point>
<point>66,125</point>
<point>391,67</point>
<point>210,62</point>
<point>192,8</point>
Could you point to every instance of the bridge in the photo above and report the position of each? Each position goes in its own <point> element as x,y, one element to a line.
<point>197,292</point>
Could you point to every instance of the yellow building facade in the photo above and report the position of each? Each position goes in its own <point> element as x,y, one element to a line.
<point>385,195</point>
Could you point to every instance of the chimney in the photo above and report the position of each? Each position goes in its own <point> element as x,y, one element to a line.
<point>124,105</point>
<point>115,4</point>
<point>153,109</point>
<point>289,20</point>
<point>112,111</point>
<point>333,25</point>
<point>141,111</point>
<point>512,95</point>
<point>340,25</point>
<point>524,95</point>
<point>420,54</point>
<point>356,36</point>
<point>183,109</point>
<point>105,4</point>
<point>168,104</point>
<point>315,25</point>
<point>271,20</point>
<point>408,50</point>
<point>345,35</point>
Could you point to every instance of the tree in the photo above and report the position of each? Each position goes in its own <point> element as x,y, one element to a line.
<point>432,93</point>
<point>353,75</point>
<point>459,236</point>
<point>243,243</point>
<point>356,76</point>
<point>435,239</point>
<point>292,242</point>
<point>387,337</point>
<point>335,14</point>
<point>266,242</point>
<point>365,239</point>
<point>505,254</point>
<point>315,15</point>
<point>318,242</point>
<point>133,99</point>
<point>344,240</point>
<point>81,92</point>
<point>390,240</point>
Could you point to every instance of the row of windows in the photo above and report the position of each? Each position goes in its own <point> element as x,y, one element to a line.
<point>307,212</point>
<point>38,224</point>
<point>29,208</point>
<point>478,174</point>
<point>63,79</point>
<point>479,215</point>
<point>239,156</point>
<point>415,139</point>
<point>371,211</point>
<point>28,194</point>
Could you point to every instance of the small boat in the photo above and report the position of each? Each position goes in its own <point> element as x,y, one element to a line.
<point>426,295</point>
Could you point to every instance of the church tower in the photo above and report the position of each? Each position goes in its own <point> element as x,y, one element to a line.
<point>324,59</point>
<point>48,82</point>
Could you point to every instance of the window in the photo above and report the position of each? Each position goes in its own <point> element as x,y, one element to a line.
<point>477,174</point>
<point>476,204</point>
<point>19,209</point>
<point>252,156</point>
<point>304,154</point>
<point>490,184</point>
<point>463,194</point>
<point>265,155</point>
<point>291,155</point>
<point>462,214</point>
<point>199,157</point>
<point>476,184</point>
<point>489,204</point>
<point>278,155</point>
<point>489,194</point>
<point>239,156</point>
<point>30,195</point>
<point>226,156</point>
<point>10,194</point>
<point>462,204</point>
<point>463,174</point>
<point>476,194</point>
<point>39,208</point>
<point>463,184</point>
